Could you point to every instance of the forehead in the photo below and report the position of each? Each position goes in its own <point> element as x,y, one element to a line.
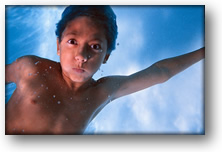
<point>84,26</point>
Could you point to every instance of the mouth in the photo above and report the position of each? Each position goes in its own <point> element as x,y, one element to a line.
<point>78,70</point>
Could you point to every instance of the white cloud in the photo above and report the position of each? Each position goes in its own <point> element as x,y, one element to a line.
<point>181,124</point>
<point>47,22</point>
<point>141,108</point>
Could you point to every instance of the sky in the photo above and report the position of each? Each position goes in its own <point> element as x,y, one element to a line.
<point>146,34</point>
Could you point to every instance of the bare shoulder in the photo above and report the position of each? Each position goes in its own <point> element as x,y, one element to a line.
<point>32,60</point>
<point>113,84</point>
<point>25,66</point>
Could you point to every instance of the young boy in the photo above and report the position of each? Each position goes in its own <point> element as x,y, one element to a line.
<point>62,98</point>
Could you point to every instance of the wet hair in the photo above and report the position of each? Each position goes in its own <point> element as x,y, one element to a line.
<point>103,15</point>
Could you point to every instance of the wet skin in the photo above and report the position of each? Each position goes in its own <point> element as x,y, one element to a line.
<point>59,98</point>
<point>43,103</point>
<point>62,98</point>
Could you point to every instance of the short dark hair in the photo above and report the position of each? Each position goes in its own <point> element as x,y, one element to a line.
<point>103,14</point>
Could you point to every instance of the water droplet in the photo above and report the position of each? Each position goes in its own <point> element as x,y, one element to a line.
<point>30,74</point>
<point>71,98</point>
<point>38,96</point>
<point>34,92</point>
<point>46,88</point>
<point>50,67</point>
<point>117,44</point>
<point>67,119</point>
<point>58,102</point>
<point>23,130</point>
<point>42,85</point>
<point>87,98</point>
<point>53,96</point>
<point>36,62</point>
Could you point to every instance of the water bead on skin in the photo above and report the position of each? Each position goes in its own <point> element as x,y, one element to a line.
<point>100,51</point>
<point>37,62</point>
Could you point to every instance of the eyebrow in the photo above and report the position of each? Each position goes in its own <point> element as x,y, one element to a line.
<point>94,37</point>
<point>71,33</point>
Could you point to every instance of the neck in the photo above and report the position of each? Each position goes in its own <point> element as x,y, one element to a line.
<point>77,86</point>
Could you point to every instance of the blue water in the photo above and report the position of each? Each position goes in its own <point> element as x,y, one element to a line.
<point>146,34</point>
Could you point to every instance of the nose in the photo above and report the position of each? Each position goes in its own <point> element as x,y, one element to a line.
<point>81,55</point>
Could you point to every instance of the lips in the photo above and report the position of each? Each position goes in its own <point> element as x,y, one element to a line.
<point>78,70</point>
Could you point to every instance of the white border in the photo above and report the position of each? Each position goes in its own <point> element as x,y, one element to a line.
<point>209,142</point>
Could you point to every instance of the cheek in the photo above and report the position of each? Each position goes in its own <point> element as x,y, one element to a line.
<point>96,62</point>
<point>65,58</point>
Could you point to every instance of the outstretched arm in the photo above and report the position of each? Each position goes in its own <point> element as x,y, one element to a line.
<point>159,72</point>
<point>172,66</point>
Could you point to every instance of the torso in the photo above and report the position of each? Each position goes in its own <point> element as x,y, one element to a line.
<point>43,104</point>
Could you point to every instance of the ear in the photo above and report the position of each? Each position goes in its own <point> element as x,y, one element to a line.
<point>106,58</point>
<point>58,47</point>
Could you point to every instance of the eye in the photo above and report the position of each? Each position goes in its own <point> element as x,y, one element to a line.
<point>72,41</point>
<point>96,47</point>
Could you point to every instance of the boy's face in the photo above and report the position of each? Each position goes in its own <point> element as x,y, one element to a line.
<point>82,49</point>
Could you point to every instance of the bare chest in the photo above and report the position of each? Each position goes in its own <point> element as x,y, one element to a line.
<point>46,107</point>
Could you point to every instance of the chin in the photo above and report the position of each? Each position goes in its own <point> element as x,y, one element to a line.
<point>80,80</point>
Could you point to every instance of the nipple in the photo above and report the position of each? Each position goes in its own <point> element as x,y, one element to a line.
<point>33,101</point>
